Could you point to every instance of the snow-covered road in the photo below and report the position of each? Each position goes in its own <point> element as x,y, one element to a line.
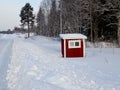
<point>5,55</point>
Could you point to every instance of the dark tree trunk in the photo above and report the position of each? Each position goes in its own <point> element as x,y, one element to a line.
<point>28,30</point>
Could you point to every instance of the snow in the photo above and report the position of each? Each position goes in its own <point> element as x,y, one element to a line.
<point>11,36</point>
<point>5,56</point>
<point>36,64</point>
<point>101,45</point>
<point>73,36</point>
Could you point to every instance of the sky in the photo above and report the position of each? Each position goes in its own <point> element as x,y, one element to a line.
<point>10,10</point>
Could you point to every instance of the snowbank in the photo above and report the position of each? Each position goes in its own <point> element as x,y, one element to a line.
<point>11,36</point>
<point>101,45</point>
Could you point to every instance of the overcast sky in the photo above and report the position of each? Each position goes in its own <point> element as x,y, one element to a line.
<point>10,10</point>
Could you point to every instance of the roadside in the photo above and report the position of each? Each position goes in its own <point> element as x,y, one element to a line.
<point>5,57</point>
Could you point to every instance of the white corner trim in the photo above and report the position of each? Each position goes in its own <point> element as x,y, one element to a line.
<point>83,47</point>
<point>64,48</point>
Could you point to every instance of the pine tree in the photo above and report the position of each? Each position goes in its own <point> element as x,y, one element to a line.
<point>40,22</point>
<point>52,19</point>
<point>27,17</point>
<point>105,18</point>
<point>75,18</point>
<point>118,31</point>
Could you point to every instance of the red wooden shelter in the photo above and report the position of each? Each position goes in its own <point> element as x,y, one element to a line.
<point>73,45</point>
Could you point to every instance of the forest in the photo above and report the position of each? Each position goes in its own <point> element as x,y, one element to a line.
<point>97,19</point>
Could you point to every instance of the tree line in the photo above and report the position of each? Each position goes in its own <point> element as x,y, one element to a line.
<point>97,19</point>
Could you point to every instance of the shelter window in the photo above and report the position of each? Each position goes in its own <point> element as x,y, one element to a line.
<point>74,43</point>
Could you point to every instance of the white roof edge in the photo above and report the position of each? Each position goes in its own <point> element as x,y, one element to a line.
<point>73,36</point>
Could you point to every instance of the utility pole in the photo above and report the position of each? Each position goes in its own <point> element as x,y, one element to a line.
<point>91,19</point>
<point>61,17</point>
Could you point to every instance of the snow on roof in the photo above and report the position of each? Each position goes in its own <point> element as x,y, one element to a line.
<point>73,36</point>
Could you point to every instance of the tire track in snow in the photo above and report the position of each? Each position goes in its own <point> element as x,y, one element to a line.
<point>4,50</point>
<point>5,53</point>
